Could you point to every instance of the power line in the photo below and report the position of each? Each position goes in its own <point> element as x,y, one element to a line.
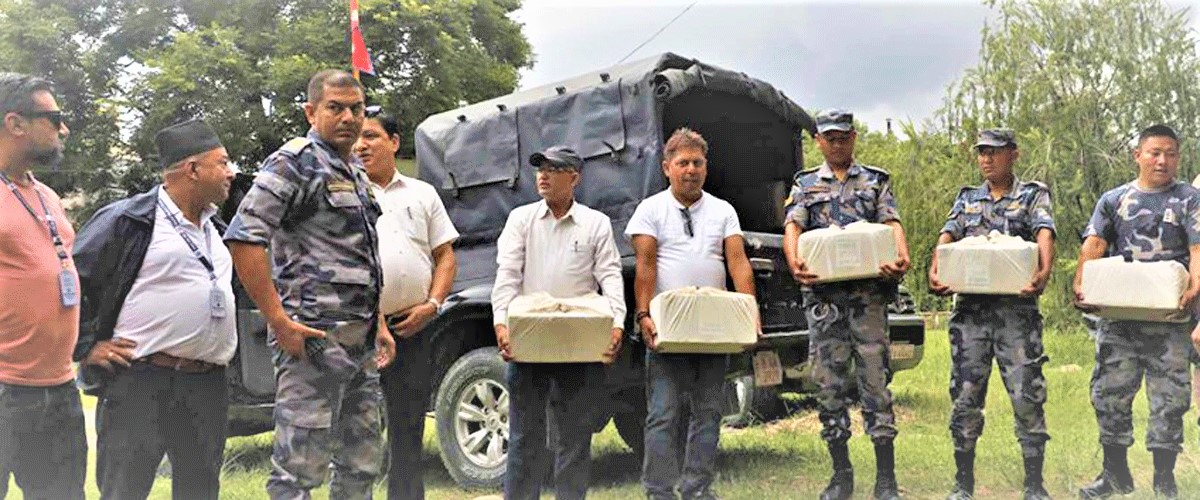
<point>656,33</point>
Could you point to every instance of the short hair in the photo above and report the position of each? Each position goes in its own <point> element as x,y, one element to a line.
<point>389,122</point>
<point>16,92</point>
<point>1157,130</point>
<point>329,78</point>
<point>682,138</point>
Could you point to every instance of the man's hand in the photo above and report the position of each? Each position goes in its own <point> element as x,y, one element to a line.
<point>936,286</point>
<point>1079,301</point>
<point>800,272</point>
<point>108,353</point>
<point>385,350</point>
<point>614,345</point>
<point>1189,295</point>
<point>649,333</point>
<point>415,318</point>
<point>895,270</point>
<point>290,335</point>
<point>502,342</point>
<point>1035,287</point>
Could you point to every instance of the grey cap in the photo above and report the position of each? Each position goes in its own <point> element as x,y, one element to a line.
<point>185,139</point>
<point>835,119</point>
<point>558,157</point>
<point>996,138</point>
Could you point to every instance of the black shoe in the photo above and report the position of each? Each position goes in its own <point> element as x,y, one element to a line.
<point>960,494</point>
<point>1036,492</point>
<point>885,472</point>
<point>1164,474</point>
<point>964,475</point>
<point>841,486</point>
<point>1114,479</point>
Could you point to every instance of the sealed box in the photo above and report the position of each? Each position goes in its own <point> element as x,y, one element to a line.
<point>841,254</point>
<point>996,264</point>
<point>706,320</point>
<point>1137,291</point>
<point>545,329</point>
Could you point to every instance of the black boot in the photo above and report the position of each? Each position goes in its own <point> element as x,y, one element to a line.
<point>1115,478</point>
<point>841,485</point>
<point>1164,474</point>
<point>964,478</point>
<point>885,472</point>
<point>1034,490</point>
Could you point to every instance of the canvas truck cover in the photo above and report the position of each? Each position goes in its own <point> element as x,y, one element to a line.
<point>477,156</point>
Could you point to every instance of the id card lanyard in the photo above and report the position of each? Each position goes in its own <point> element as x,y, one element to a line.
<point>216,298</point>
<point>67,289</point>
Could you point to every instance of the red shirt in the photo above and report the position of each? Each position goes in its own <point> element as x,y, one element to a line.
<point>37,334</point>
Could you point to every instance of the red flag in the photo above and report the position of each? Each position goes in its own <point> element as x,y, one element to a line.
<point>360,59</point>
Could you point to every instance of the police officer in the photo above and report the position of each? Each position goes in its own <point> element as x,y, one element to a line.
<point>1154,218</point>
<point>1008,327</point>
<point>311,204</point>
<point>848,319</point>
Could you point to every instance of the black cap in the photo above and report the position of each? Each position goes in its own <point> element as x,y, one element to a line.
<point>996,138</point>
<point>185,139</point>
<point>558,157</point>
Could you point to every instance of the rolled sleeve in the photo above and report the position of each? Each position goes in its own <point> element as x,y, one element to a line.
<point>953,227</point>
<point>1101,223</point>
<point>265,206</point>
<point>886,210</point>
<point>1193,221</point>
<point>1041,214</point>
<point>793,208</point>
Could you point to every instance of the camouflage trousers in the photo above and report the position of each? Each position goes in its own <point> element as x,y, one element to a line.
<point>326,409</point>
<point>847,325</point>
<point>1008,329</point>
<point>1127,352</point>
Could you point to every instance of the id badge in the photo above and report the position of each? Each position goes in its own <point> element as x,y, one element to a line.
<point>67,289</point>
<point>216,302</point>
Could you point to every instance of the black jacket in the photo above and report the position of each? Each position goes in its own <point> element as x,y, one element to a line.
<point>108,253</point>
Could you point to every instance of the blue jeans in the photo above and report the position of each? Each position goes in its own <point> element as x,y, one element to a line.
<point>670,378</point>
<point>568,389</point>
<point>42,441</point>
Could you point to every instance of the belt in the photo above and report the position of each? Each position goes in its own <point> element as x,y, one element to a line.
<point>164,360</point>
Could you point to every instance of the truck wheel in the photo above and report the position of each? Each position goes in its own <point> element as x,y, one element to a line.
<point>760,404</point>
<point>472,419</point>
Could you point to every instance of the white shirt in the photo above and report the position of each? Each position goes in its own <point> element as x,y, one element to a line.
<point>564,257</point>
<point>414,222</point>
<point>698,260</point>
<point>167,309</point>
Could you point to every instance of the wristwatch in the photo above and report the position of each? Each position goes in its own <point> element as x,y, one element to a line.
<point>436,303</point>
<point>641,315</point>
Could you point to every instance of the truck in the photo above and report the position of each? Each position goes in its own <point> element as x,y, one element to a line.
<point>617,119</point>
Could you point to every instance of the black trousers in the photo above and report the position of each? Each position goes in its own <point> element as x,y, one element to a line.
<point>42,441</point>
<point>406,388</point>
<point>147,411</point>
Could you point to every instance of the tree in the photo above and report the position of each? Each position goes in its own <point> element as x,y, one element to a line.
<point>1078,80</point>
<point>131,67</point>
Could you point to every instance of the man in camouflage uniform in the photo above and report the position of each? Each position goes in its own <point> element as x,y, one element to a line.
<point>848,320</point>
<point>311,203</point>
<point>1006,327</point>
<point>1154,218</point>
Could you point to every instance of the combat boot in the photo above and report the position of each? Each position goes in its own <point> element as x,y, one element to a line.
<point>1034,489</point>
<point>841,485</point>
<point>964,478</point>
<point>1164,474</point>
<point>1114,479</point>
<point>885,472</point>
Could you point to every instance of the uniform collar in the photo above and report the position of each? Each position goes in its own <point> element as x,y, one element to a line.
<point>333,152</point>
<point>985,189</point>
<point>826,172</point>
<point>543,210</point>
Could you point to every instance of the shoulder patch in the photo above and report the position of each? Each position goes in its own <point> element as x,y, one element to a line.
<point>876,170</point>
<point>295,146</point>
<point>1035,185</point>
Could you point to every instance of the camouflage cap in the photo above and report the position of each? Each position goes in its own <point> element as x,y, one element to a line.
<point>996,138</point>
<point>558,157</point>
<point>835,119</point>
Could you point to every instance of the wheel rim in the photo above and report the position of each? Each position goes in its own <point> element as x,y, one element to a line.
<point>481,423</point>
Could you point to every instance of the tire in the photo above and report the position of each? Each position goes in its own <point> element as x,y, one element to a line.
<point>474,450</point>
<point>756,404</point>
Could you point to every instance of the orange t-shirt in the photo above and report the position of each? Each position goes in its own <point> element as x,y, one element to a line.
<point>37,334</point>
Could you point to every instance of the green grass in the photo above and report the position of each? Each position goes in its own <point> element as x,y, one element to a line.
<point>786,458</point>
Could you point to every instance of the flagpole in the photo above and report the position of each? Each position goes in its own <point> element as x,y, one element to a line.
<point>353,21</point>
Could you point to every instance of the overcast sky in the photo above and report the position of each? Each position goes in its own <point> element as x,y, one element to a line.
<point>881,59</point>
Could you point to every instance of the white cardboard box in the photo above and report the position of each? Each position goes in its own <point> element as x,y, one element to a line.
<point>850,253</point>
<point>995,264</point>
<point>545,329</point>
<point>1138,291</point>
<point>704,320</point>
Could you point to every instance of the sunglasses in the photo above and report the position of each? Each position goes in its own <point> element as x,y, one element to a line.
<point>55,117</point>
<point>687,222</point>
<point>373,110</point>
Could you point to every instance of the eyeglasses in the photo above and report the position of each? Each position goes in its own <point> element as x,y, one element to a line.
<point>55,117</point>
<point>687,222</point>
<point>373,110</point>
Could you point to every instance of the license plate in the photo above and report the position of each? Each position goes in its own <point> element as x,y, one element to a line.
<point>768,371</point>
<point>903,351</point>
